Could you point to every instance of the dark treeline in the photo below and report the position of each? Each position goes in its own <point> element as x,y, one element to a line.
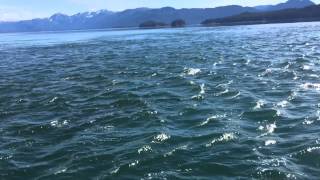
<point>311,13</point>
<point>155,24</point>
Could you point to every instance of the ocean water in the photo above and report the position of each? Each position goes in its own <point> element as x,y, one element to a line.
<point>194,103</point>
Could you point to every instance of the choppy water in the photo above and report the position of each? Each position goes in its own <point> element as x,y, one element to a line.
<point>195,103</point>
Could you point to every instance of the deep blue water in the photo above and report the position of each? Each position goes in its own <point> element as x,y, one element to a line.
<point>195,103</point>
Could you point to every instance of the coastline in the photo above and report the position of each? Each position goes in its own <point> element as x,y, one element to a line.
<point>262,22</point>
<point>244,23</point>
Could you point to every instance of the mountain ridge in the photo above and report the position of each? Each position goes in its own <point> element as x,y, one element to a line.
<point>307,14</point>
<point>286,5</point>
<point>133,17</point>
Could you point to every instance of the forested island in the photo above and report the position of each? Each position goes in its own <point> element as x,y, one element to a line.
<point>155,24</point>
<point>178,23</point>
<point>152,24</point>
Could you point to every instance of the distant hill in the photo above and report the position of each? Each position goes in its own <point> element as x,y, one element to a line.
<point>310,13</point>
<point>287,5</point>
<point>134,17</point>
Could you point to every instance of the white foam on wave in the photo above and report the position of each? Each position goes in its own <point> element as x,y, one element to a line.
<point>236,95</point>
<point>5,157</point>
<point>313,75</point>
<point>136,162</point>
<point>270,142</point>
<point>193,71</point>
<point>202,89</point>
<point>266,72</point>
<point>115,171</point>
<point>307,122</point>
<point>184,147</point>
<point>295,75</point>
<point>279,112</point>
<point>306,67</point>
<point>283,103</point>
<point>58,124</point>
<point>292,96</point>
<point>269,129</point>
<point>145,148</point>
<point>274,162</point>
<point>259,104</point>
<point>197,97</point>
<point>207,121</point>
<point>201,93</point>
<point>160,138</point>
<point>225,137</point>
<point>53,100</point>
<point>291,176</point>
<point>67,78</point>
<point>152,112</point>
<point>60,171</point>
<point>308,150</point>
<point>311,149</point>
<point>222,93</point>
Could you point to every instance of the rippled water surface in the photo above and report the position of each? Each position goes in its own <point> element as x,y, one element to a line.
<point>194,103</point>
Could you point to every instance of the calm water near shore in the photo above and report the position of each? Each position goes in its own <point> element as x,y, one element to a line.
<point>192,103</point>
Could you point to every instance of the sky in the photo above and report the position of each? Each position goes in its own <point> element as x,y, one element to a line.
<point>12,10</point>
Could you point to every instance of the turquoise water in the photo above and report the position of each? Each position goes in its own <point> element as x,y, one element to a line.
<point>195,103</point>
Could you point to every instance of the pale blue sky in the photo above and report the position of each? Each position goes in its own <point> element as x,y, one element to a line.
<point>27,9</point>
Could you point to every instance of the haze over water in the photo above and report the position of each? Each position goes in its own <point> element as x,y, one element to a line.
<point>190,103</point>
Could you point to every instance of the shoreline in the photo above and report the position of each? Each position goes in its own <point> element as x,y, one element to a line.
<point>240,23</point>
